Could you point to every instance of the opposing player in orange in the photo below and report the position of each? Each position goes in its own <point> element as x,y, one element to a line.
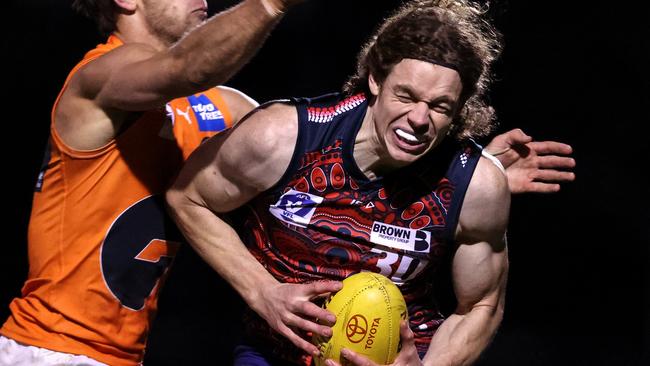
<point>125,119</point>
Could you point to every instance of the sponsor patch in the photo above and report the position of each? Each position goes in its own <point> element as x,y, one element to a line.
<point>295,207</point>
<point>208,116</point>
<point>400,237</point>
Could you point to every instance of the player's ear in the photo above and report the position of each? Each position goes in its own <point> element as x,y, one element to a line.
<point>127,5</point>
<point>373,85</point>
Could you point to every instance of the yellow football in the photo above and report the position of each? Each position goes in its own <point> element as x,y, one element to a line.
<point>368,311</point>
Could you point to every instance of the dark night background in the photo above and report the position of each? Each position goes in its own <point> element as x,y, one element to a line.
<point>574,71</point>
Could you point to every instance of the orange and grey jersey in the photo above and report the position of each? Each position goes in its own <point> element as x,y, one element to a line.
<point>99,240</point>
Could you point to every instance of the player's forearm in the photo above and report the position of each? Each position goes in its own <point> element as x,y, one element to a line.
<point>219,245</point>
<point>461,338</point>
<point>215,51</point>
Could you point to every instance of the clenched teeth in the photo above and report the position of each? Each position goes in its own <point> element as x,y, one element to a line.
<point>406,136</point>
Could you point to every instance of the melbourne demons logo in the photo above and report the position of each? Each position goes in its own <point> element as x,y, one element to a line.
<point>295,207</point>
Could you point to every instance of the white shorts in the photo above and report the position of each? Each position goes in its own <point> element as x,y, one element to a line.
<point>13,353</point>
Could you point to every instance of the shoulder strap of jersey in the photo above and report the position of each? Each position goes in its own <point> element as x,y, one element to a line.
<point>460,172</point>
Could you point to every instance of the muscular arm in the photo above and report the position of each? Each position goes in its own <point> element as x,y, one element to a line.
<point>141,78</point>
<point>479,271</point>
<point>138,77</point>
<point>223,174</point>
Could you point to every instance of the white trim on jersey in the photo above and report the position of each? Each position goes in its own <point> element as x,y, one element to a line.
<point>494,160</point>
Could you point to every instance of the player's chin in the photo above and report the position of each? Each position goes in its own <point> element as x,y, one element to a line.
<point>407,152</point>
<point>407,157</point>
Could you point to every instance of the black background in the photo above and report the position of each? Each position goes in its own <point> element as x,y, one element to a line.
<point>574,71</point>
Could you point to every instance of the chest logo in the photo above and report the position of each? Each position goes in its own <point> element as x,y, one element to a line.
<point>295,207</point>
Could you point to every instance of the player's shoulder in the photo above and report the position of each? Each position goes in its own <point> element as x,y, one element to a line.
<point>117,57</point>
<point>234,96</point>
<point>489,181</point>
<point>266,130</point>
<point>94,73</point>
<point>487,202</point>
<point>238,103</point>
<point>273,119</point>
<point>257,151</point>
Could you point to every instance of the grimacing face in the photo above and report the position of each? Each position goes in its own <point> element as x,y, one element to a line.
<point>169,20</point>
<point>414,109</point>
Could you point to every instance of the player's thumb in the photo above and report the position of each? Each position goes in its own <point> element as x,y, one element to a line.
<point>517,137</point>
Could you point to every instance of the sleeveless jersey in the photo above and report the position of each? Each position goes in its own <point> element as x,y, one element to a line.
<point>99,241</point>
<point>326,220</point>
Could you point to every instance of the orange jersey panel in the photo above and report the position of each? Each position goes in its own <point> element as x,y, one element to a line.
<point>99,240</point>
<point>197,118</point>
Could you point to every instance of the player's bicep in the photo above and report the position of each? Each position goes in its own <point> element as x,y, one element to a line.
<point>480,263</point>
<point>479,273</point>
<point>212,177</point>
<point>133,77</point>
<point>231,168</point>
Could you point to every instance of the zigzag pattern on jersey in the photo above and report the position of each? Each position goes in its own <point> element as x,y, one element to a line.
<point>324,115</point>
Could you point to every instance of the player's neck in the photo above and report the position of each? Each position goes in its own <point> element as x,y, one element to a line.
<point>369,153</point>
<point>131,30</point>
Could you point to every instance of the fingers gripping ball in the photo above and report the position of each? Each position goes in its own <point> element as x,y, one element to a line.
<point>368,311</point>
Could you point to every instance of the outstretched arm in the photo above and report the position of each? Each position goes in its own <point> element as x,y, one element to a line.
<point>223,174</point>
<point>103,95</point>
<point>138,77</point>
<point>532,166</point>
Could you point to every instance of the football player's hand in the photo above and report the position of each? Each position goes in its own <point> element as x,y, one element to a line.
<point>289,310</point>
<point>408,355</point>
<point>532,166</point>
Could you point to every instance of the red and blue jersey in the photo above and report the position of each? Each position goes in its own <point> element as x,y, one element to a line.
<point>325,219</point>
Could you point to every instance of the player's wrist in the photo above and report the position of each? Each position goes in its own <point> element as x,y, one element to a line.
<point>256,294</point>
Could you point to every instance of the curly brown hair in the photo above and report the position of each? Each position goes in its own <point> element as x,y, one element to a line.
<point>103,12</point>
<point>452,33</point>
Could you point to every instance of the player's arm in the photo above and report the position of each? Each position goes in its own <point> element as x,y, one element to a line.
<point>223,174</point>
<point>532,166</point>
<point>135,77</point>
<point>479,271</point>
<point>239,104</point>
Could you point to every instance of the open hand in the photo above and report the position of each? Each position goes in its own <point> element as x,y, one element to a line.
<point>532,166</point>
